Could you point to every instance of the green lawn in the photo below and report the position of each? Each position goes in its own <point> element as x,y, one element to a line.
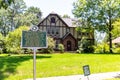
<point>113,79</point>
<point>18,67</point>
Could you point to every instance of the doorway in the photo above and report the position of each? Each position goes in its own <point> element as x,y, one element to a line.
<point>68,45</point>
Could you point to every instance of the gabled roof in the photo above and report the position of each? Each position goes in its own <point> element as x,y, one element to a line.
<point>70,22</point>
<point>67,21</point>
<point>51,15</point>
<point>66,35</point>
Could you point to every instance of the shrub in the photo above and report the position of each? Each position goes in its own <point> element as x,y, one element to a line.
<point>51,45</point>
<point>85,46</point>
<point>2,44</point>
<point>116,50</point>
<point>101,48</point>
<point>13,40</point>
<point>61,48</point>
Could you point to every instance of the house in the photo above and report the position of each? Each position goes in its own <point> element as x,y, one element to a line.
<point>117,40</point>
<point>63,30</point>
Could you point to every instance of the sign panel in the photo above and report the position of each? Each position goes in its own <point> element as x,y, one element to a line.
<point>34,39</point>
<point>86,70</point>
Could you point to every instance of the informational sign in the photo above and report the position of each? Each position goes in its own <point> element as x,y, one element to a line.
<point>36,39</point>
<point>86,70</point>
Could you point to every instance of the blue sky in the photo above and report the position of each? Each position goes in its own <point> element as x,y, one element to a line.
<point>60,7</point>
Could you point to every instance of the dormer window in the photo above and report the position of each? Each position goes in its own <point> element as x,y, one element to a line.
<point>52,20</point>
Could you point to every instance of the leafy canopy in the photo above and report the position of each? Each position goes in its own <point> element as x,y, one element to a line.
<point>97,12</point>
<point>5,3</point>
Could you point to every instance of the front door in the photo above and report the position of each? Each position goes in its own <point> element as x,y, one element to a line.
<point>68,45</point>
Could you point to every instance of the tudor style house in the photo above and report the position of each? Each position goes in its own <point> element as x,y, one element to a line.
<point>63,30</point>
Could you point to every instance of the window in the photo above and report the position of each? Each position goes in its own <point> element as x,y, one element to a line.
<point>68,30</point>
<point>57,31</point>
<point>48,30</point>
<point>83,34</point>
<point>52,20</point>
<point>87,34</point>
<point>57,43</point>
<point>52,31</point>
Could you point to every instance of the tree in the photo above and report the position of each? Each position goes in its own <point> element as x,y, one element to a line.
<point>110,11</point>
<point>2,43</point>
<point>32,16</point>
<point>99,13</point>
<point>5,3</point>
<point>4,22</point>
<point>66,16</point>
<point>116,29</point>
<point>17,15</point>
<point>13,40</point>
<point>14,10</point>
<point>10,17</point>
<point>33,10</point>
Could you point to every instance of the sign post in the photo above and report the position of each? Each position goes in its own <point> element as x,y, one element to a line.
<point>86,71</point>
<point>34,64</point>
<point>34,40</point>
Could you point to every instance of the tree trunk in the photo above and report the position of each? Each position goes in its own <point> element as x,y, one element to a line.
<point>110,35</point>
<point>110,41</point>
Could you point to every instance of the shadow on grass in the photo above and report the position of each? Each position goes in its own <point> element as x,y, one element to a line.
<point>8,64</point>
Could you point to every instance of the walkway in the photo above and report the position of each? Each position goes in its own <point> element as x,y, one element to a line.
<point>99,76</point>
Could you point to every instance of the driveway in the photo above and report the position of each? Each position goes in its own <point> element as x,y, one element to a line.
<point>99,76</point>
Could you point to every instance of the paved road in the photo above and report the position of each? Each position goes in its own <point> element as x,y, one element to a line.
<point>99,76</point>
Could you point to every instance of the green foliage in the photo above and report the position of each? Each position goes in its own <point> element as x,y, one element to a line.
<point>14,11</point>
<point>66,16</point>
<point>1,37</point>
<point>61,48</point>
<point>98,13</point>
<point>104,48</point>
<point>17,15</point>
<point>10,17</point>
<point>31,16</point>
<point>116,29</point>
<point>2,43</point>
<point>101,48</point>
<point>5,3</point>
<point>4,22</point>
<point>51,45</point>
<point>13,40</point>
<point>85,46</point>
<point>33,10</point>
<point>116,50</point>
<point>20,67</point>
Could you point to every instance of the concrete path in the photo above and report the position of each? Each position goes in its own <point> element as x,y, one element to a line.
<point>99,76</point>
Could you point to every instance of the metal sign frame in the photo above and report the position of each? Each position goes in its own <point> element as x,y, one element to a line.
<point>31,47</point>
<point>86,70</point>
<point>35,29</point>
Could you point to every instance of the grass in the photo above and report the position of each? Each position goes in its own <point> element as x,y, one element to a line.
<point>18,67</point>
<point>113,79</point>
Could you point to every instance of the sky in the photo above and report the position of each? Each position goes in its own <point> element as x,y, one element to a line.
<point>60,7</point>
